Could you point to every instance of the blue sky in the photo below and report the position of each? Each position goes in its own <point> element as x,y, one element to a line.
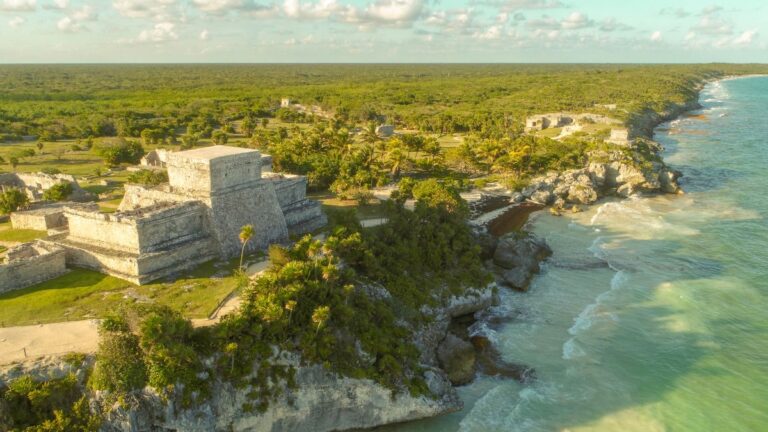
<point>74,31</point>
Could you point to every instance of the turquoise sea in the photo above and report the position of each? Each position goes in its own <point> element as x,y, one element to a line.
<point>652,314</point>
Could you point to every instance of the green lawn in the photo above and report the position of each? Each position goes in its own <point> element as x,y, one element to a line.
<point>21,235</point>
<point>83,294</point>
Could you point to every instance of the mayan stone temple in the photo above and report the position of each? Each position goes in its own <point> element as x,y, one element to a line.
<point>197,216</point>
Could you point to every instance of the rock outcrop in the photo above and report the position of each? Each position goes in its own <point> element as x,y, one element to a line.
<point>517,258</point>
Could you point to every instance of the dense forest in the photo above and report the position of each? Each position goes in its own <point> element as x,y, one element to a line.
<point>78,101</point>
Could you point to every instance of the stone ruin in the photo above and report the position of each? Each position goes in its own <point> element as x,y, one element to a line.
<point>31,263</point>
<point>35,184</point>
<point>197,216</point>
<point>47,216</point>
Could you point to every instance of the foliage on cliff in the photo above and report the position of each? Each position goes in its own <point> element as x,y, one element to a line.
<point>55,405</point>
<point>349,303</point>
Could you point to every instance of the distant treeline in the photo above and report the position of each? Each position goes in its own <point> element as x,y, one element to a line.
<point>78,101</point>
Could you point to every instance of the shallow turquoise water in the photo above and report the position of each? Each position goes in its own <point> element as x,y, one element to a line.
<point>652,314</point>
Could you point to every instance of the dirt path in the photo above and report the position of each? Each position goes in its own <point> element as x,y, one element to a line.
<point>28,342</point>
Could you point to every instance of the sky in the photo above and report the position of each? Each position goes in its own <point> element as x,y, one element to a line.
<point>403,31</point>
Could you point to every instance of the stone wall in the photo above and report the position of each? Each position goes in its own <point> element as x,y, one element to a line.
<point>213,169</point>
<point>46,216</point>
<point>29,264</point>
<point>255,205</point>
<point>290,189</point>
<point>37,183</point>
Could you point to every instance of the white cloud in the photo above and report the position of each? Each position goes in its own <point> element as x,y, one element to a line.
<point>310,10</point>
<point>656,36</point>
<point>205,35</point>
<point>16,21</point>
<point>493,33</point>
<point>611,24</point>
<point>712,26</point>
<point>156,9</point>
<point>745,38</point>
<point>74,22</point>
<point>395,10</point>
<point>161,32</point>
<point>543,23</point>
<point>224,6</point>
<point>17,5</point>
<point>576,20</point>
<point>516,5</point>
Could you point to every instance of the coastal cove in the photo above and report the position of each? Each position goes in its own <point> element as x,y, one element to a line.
<point>650,314</point>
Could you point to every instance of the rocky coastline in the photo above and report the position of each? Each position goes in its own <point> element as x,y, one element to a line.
<point>450,354</point>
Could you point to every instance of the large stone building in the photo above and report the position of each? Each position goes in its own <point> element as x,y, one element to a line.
<point>197,216</point>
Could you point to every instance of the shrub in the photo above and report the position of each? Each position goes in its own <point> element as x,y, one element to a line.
<point>148,177</point>
<point>12,199</point>
<point>120,150</point>
<point>58,192</point>
<point>50,171</point>
<point>120,366</point>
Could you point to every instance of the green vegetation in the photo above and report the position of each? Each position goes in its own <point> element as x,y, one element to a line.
<point>58,192</point>
<point>82,294</point>
<point>55,405</point>
<point>348,303</point>
<point>148,177</point>
<point>21,235</point>
<point>11,200</point>
<point>119,150</point>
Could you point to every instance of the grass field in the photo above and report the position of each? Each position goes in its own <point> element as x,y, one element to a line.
<point>83,294</point>
<point>21,235</point>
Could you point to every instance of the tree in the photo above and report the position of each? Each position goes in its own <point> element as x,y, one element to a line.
<point>264,122</point>
<point>188,141</point>
<point>120,365</point>
<point>246,233</point>
<point>12,199</point>
<point>320,317</point>
<point>58,192</point>
<point>39,146</point>
<point>119,150</point>
<point>219,137</point>
<point>14,162</point>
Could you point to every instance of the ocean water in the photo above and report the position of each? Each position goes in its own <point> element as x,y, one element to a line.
<point>652,315</point>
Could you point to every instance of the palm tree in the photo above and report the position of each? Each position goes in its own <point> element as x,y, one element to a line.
<point>246,233</point>
<point>320,317</point>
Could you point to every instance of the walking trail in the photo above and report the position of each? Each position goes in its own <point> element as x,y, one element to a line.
<point>28,342</point>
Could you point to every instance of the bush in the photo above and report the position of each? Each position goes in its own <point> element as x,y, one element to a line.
<point>53,405</point>
<point>119,150</point>
<point>50,171</point>
<point>58,192</point>
<point>148,177</point>
<point>12,199</point>
<point>120,366</point>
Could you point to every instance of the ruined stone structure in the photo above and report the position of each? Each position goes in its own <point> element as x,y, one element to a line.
<point>34,184</point>
<point>556,120</point>
<point>155,159</point>
<point>385,131</point>
<point>619,137</point>
<point>46,216</point>
<point>212,193</point>
<point>31,263</point>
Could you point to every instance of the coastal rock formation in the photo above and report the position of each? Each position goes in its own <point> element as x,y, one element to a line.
<point>518,256</point>
<point>457,358</point>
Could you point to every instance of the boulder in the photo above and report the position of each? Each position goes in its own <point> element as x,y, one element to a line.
<point>581,193</point>
<point>597,172</point>
<point>457,358</point>
<point>519,256</point>
<point>668,180</point>
<point>542,196</point>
